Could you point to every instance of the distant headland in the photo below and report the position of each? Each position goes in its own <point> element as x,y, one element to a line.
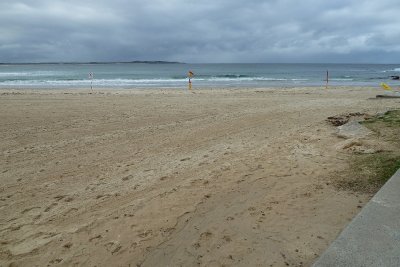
<point>93,62</point>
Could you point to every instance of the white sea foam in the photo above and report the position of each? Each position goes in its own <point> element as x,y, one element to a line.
<point>249,79</point>
<point>98,82</point>
<point>30,74</point>
<point>392,70</point>
<point>140,82</point>
<point>341,79</point>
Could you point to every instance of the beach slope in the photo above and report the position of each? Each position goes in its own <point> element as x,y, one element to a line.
<point>171,178</point>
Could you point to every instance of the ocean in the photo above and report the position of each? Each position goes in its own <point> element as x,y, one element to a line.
<point>174,75</point>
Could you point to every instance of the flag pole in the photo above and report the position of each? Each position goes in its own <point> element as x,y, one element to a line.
<point>91,80</point>
<point>190,75</point>
<point>327,79</point>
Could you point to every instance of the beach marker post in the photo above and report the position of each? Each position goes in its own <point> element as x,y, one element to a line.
<point>327,79</point>
<point>91,80</point>
<point>190,75</point>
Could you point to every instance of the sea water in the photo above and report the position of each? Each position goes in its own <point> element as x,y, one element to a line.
<point>174,75</point>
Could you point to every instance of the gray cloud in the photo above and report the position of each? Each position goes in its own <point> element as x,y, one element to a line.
<point>200,31</point>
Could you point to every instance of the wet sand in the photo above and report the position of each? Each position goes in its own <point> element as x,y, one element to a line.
<point>239,177</point>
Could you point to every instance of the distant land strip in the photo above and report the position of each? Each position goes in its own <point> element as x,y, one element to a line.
<point>92,63</point>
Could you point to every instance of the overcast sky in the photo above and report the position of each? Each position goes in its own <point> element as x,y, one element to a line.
<point>353,31</point>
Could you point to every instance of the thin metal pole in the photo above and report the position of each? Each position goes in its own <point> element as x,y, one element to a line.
<point>327,79</point>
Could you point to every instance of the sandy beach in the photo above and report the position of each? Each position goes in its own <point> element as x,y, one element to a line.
<point>165,177</point>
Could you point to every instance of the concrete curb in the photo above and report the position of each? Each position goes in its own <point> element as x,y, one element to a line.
<point>373,237</point>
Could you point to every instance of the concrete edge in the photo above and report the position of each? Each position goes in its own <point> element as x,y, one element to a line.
<point>372,238</point>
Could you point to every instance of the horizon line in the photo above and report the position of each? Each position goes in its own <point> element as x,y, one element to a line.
<point>177,62</point>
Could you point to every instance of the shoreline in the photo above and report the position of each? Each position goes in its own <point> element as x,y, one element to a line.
<point>214,89</point>
<point>221,176</point>
<point>185,87</point>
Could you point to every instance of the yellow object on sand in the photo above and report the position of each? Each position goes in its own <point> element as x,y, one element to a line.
<point>385,86</point>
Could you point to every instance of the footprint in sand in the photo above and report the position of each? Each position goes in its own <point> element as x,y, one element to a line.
<point>226,167</point>
<point>95,237</point>
<point>196,181</point>
<point>227,238</point>
<point>126,178</point>
<point>50,207</point>
<point>167,231</point>
<point>58,260</point>
<point>68,199</point>
<point>113,247</point>
<point>145,234</point>
<point>29,209</point>
<point>68,245</point>
<point>206,235</point>
<point>203,238</point>
<point>196,245</point>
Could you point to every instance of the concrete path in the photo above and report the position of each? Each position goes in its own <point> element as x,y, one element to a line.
<point>373,237</point>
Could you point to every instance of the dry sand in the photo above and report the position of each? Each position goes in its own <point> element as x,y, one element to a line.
<point>172,178</point>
